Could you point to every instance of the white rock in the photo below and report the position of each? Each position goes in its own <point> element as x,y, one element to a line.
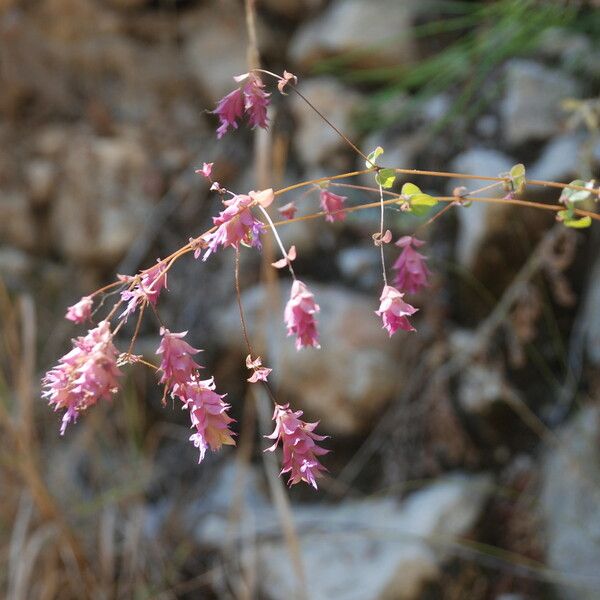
<point>560,159</point>
<point>315,141</point>
<point>475,220</point>
<point>378,32</point>
<point>345,383</point>
<point>571,508</point>
<point>531,107</point>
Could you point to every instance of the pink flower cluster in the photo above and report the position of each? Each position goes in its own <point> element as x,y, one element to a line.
<point>332,203</point>
<point>81,311</point>
<point>300,448</point>
<point>86,374</point>
<point>236,225</point>
<point>299,316</point>
<point>152,281</point>
<point>250,98</point>
<point>394,311</point>
<point>181,377</point>
<point>411,271</point>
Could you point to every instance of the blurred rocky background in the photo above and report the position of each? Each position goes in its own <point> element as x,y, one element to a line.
<point>466,457</point>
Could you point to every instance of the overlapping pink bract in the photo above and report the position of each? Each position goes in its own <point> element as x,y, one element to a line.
<point>208,414</point>
<point>331,203</point>
<point>236,225</point>
<point>299,443</point>
<point>250,99</point>
<point>299,316</point>
<point>81,311</point>
<point>152,282</point>
<point>394,311</point>
<point>411,271</point>
<point>177,364</point>
<point>86,374</point>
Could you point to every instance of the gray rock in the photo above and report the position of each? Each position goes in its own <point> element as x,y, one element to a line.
<point>560,159</point>
<point>346,383</point>
<point>315,141</point>
<point>369,549</point>
<point>17,226</point>
<point>531,107</point>
<point>475,220</point>
<point>570,506</point>
<point>359,28</point>
<point>360,265</point>
<point>14,265</point>
<point>292,9</point>
<point>592,315</point>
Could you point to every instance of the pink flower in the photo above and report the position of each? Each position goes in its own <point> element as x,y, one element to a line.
<point>80,312</point>
<point>250,98</point>
<point>300,450</point>
<point>236,225</point>
<point>151,283</point>
<point>256,102</point>
<point>331,203</point>
<point>288,211</point>
<point>229,110</point>
<point>412,272</point>
<point>206,170</point>
<point>85,375</point>
<point>260,373</point>
<point>394,311</point>
<point>208,413</point>
<point>177,364</point>
<point>299,316</point>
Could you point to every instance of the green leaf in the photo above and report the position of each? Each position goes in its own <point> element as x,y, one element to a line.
<point>385,178</point>
<point>517,177</point>
<point>373,156</point>
<point>410,189</point>
<point>574,223</point>
<point>570,195</point>
<point>421,203</point>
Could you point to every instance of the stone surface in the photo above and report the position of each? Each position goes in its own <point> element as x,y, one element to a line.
<point>17,227</point>
<point>570,505</point>
<point>314,140</point>
<point>477,219</point>
<point>372,549</point>
<point>560,159</point>
<point>352,26</point>
<point>347,382</point>
<point>101,197</point>
<point>531,107</point>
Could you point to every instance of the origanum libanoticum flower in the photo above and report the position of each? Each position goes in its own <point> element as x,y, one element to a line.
<point>86,374</point>
<point>250,98</point>
<point>177,364</point>
<point>299,316</point>
<point>208,414</point>
<point>299,443</point>
<point>394,311</point>
<point>259,371</point>
<point>411,271</point>
<point>236,225</point>
<point>152,281</point>
<point>331,203</point>
<point>81,311</point>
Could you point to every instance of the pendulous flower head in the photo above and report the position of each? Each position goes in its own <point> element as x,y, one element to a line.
<point>208,414</point>
<point>331,203</point>
<point>259,371</point>
<point>83,376</point>
<point>394,311</point>
<point>250,98</point>
<point>299,316</point>
<point>411,271</point>
<point>177,364</point>
<point>299,443</point>
<point>81,311</point>
<point>151,283</point>
<point>236,225</point>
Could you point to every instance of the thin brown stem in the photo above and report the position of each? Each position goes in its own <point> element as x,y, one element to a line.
<point>238,295</point>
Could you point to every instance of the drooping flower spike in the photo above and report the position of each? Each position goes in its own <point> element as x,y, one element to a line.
<point>151,283</point>
<point>299,316</point>
<point>259,371</point>
<point>332,203</point>
<point>177,365</point>
<point>250,98</point>
<point>81,311</point>
<point>83,376</point>
<point>411,271</point>
<point>394,311</point>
